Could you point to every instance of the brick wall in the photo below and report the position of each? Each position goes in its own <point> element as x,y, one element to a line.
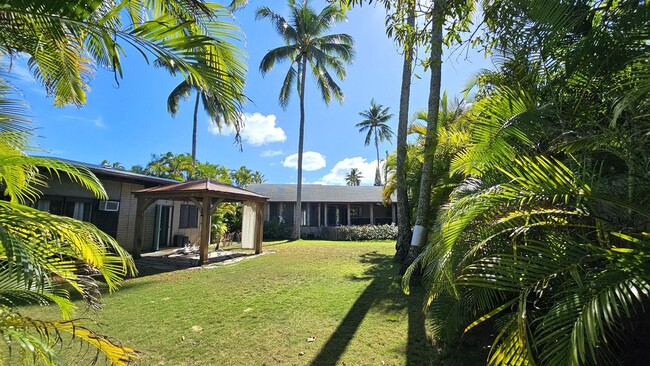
<point>126,221</point>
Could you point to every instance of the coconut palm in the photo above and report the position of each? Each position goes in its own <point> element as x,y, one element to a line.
<point>307,44</point>
<point>374,124</point>
<point>453,134</point>
<point>64,42</point>
<point>40,251</point>
<point>212,101</point>
<point>191,35</point>
<point>401,167</point>
<point>547,235</point>
<point>353,178</point>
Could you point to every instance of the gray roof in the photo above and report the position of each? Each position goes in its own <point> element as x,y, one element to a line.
<point>105,171</point>
<point>320,193</point>
<point>202,188</point>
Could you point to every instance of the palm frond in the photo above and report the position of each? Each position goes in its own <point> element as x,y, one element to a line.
<point>17,330</point>
<point>279,54</point>
<point>181,91</point>
<point>287,85</point>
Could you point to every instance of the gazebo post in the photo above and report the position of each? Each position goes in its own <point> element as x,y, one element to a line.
<point>205,230</point>
<point>259,226</point>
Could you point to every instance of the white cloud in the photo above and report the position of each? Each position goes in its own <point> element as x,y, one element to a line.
<point>258,130</point>
<point>338,172</point>
<point>98,122</point>
<point>311,161</point>
<point>270,153</point>
<point>215,130</point>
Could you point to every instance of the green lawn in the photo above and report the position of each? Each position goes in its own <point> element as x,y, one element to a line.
<point>261,311</point>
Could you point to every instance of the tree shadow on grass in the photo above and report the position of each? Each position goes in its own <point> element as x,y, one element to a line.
<point>383,294</point>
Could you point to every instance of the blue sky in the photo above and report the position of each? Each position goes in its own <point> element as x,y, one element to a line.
<point>127,120</point>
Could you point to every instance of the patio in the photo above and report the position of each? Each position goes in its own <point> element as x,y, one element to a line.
<point>175,259</point>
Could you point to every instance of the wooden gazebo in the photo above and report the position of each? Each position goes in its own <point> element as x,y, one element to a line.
<point>206,194</point>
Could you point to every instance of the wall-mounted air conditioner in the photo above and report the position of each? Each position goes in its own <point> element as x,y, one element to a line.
<point>112,206</point>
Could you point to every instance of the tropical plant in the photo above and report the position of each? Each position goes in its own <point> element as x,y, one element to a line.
<point>400,23</point>
<point>374,123</point>
<point>353,178</point>
<point>307,44</point>
<point>366,232</point>
<point>243,176</point>
<point>547,238</point>
<point>403,208</point>
<point>115,165</point>
<point>213,171</point>
<point>139,169</point>
<point>180,167</point>
<point>41,253</point>
<point>228,59</point>
<point>453,134</point>
<point>64,42</point>
<point>82,35</point>
<point>221,220</point>
<point>455,16</point>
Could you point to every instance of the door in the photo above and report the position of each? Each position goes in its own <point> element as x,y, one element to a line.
<point>162,226</point>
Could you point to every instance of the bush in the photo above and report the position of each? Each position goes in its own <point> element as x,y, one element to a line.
<point>276,229</point>
<point>367,232</point>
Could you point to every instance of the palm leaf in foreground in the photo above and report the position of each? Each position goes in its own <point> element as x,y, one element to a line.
<point>559,298</point>
<point>36,338</point>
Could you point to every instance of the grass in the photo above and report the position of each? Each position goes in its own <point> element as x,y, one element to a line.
<point>261,311</point>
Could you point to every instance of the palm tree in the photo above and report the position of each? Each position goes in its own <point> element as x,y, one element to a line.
<point>541,234</point>
<point>401,171</point>
<point>420,229</point>
<point>307,42</point>
<point>64,42</point>
<point>115,165</point>
<point>40,250</point>
<point>374,123</point>
<point>139,169</point>
<point>85,34</point>
<point>211,101</point>
<point>353,178</point>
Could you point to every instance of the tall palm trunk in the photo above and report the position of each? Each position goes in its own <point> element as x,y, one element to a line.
<point>403,210</point>
<point>378,172</point>
<point>196,112</point>
<point>420,230</point>
<point>297,215</point>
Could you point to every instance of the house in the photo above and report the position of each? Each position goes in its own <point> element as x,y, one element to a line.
<point>166,223</point>
<point>145,213</point>
<point>326,206</point>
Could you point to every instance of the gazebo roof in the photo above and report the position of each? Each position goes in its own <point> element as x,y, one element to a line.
<point>201,188</point>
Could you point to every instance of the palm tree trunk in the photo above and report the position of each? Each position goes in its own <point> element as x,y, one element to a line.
<point>378,172</point>
<point>297,214</point>
<point>196,112</point>
<point>403,209</point>
<point>431,139</point>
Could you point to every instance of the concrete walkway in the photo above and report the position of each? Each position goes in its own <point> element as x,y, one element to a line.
<point>175,259</point>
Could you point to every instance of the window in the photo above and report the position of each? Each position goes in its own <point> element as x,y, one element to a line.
<point>79,209</point>
<point>189,217</point>
<point>305,215</point>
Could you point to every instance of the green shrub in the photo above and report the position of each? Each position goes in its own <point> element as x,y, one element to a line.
<point>276,229</point>
<point>367,232</point>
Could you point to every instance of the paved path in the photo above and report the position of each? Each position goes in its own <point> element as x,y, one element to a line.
<point>179,259</point>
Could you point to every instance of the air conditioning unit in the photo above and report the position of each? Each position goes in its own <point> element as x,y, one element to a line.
<point>112,206</point>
